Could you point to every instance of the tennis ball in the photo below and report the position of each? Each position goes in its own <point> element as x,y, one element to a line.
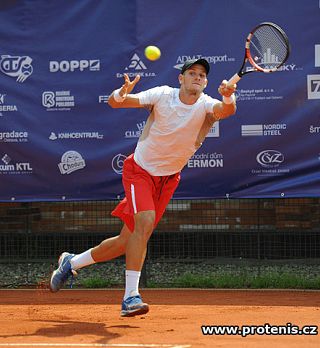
<point>152,52</point>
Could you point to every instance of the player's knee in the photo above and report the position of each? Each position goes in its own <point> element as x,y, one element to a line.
<point>144,224</point>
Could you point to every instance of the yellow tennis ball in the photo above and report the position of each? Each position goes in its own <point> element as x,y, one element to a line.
<point>152,52</point>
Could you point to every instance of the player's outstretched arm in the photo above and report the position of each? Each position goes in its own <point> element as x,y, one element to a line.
<point>121,98</point>
<point>228,105</point>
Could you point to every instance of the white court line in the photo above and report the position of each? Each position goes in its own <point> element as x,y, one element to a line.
<point>93,345</point>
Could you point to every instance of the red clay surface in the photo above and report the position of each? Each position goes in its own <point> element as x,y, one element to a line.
<point>91,318</point>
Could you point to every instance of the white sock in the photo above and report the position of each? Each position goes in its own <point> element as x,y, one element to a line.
<point>132,284</point>
<point>82,260</point>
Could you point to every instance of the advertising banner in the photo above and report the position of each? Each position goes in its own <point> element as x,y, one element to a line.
<point>60,61</point>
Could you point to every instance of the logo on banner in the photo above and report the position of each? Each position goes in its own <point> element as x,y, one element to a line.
<point>70,162</point>
<point>317,56</point>
<point>117,163</point>
<point>16,66</point>
<point>103,99</point>
<point>136,63</point>
<point>313,86</point>
<point>75,136</point>
<point>58,100</point>
<point>14,168</point>
<point>214,131</point>
<point>136,67</point>
<point>5,107</point>
<point>260,94</point>
<point>206,160</point>
<point>74,65</point>
<point>285,67</point>
<point>271,162</point>
<point>13,137</point>
<point>270,158</point>
<point>211,59</point>
<point>135,133</point>
<point>314,129</point>
<point>290,67</point>
<point>263,129</point>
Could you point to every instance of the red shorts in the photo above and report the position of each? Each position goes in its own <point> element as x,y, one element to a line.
<point>144,192</point>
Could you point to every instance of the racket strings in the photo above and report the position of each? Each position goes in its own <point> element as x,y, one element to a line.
<point>268,47</point>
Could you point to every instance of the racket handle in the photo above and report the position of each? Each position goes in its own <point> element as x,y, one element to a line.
<point>234,79</point>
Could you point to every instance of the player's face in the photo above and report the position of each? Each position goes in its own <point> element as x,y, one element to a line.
<point>194,80</point>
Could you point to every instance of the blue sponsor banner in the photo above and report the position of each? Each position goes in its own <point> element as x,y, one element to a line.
<point>60,60</point>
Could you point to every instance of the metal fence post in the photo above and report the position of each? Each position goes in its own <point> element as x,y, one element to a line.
<point>143,278</point>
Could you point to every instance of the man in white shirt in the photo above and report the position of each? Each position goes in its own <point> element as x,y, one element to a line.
<point>176,127</point>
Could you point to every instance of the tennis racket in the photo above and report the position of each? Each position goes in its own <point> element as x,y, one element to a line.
<point>267,48</point>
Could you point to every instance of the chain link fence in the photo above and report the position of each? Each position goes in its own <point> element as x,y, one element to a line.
<point>190,229</point>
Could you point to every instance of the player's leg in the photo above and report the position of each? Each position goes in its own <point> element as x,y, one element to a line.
<point>112,247</point>
<point>135,255</point>
<point>144,224</point>
<point>137,210</point>
<point>69,263</point>
<point>137,243</point>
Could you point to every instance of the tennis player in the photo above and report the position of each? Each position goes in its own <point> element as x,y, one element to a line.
<point>177,125</point>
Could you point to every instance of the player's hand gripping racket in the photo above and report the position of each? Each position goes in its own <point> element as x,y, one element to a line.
<point>267,48</point>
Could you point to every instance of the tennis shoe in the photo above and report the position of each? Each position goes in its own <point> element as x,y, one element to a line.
<point>62,273</point>
<point>134,306</point>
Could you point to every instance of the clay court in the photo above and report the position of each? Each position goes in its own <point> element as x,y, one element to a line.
<point>90,318</point>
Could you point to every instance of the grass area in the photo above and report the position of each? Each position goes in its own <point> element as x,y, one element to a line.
<point>232,281</point>
<point>270,280</point>
<point>96,283</point>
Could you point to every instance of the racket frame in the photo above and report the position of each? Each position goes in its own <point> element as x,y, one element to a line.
<point>247,57</point>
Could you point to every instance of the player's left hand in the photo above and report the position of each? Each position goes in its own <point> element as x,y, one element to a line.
<point>226,90</point>
<point>128,85</point>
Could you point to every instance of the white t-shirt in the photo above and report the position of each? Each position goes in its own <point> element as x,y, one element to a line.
<point>172,136</point>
